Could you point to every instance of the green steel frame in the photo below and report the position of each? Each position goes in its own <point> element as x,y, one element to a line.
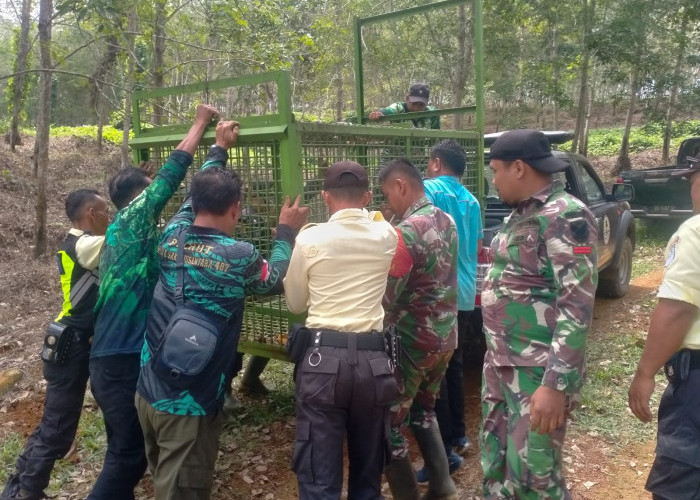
<point>277,157</point>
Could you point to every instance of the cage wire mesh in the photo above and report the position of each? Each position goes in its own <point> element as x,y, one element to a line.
<point>269,164</point>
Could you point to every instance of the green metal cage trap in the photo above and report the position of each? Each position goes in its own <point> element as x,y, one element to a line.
<point>277,156</point>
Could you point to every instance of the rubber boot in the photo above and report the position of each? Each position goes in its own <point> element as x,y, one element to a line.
<point>402,480</point>
<point>440,484</point>
<point>250,382</point>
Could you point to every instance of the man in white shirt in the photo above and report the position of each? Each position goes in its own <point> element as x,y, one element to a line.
<point>345,383</point>
<point>674,332</point>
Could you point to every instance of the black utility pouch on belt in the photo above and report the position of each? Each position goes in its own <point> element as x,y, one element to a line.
<point>677,368</point>
<point>392,344</point>
<point>57,341</point>
<point>297,341</point>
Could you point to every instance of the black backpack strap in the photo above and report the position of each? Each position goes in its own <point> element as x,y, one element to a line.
<point>180,265</point>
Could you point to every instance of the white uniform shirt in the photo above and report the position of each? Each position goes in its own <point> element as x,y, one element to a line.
<point>87,248</point>
<point>682,277</point>
<point>338,271</point>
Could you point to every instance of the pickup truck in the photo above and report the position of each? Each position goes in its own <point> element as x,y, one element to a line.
<point>616,229</point>
<point>658,194</point>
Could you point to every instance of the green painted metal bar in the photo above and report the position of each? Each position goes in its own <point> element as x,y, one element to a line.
<point>359,76</point>
<point>173,137</point>
<point>411,11</point>
<point>290,150</point>
<point>370,130</point>
<point>238,81</point>
<point>425,114</point>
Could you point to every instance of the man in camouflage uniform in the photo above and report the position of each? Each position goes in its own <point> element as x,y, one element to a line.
<point>537,305</point>
<point>416,100</point>
<point>421,298</point>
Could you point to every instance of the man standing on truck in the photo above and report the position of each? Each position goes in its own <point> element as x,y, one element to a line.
<point>416,100</point>
<point>674,343</point>
<point>537,305</point>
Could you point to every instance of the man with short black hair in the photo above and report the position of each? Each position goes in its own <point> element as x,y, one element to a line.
<point>416,100</point>
<point>182,420</point>
<point>66,380</point>
<point>443,187</point>
<point>422,302</point>
<point>344,383</point>
<point>129,271</point>
<point>674,343</point>
<point>537,304</point>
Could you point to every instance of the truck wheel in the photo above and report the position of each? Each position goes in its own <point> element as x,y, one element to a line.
<point>615,280</point>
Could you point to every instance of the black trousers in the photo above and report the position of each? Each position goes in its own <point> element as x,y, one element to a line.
<point>341,392</point>
<point>113,382</point>
<point>52,438</point>
<point>675,474</point>
<point>449,407</point>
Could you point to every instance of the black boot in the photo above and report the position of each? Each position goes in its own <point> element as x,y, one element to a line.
<point>440,484</point>
<point>12,487</point>
<point>250,382</point>
<point>402,480</point>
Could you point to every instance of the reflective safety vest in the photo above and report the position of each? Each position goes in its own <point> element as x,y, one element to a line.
<point>80,287</point>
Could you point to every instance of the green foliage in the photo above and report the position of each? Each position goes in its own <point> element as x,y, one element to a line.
<point>11,447</point>
<point>607,141</point>
<point>109,133</point>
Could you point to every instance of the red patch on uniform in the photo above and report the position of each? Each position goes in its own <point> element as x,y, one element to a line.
<point>263,272</point>
<point>402,261</point>
<point>580,250</point>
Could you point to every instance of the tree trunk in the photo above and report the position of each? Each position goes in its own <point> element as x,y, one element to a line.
<point>107,62</point>
<point>623,160</point>
<point>41,144</point>
<point>20,76</point>
<point>126,160</point>
<point>583,145</point>
<point>665,157</point>
<point>464,62</point>
<point>588,13</point>
<point>158,59</point>
<point>339,96</point>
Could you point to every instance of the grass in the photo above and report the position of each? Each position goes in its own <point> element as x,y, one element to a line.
<point>603,412</point>
<point>612,359</point>
<point>279,404</point>
<point>652,237</point>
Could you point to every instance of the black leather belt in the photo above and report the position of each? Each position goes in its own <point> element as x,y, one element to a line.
<point>371,341</point>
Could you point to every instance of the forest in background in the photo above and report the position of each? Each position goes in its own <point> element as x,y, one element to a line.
<point>547,64</point>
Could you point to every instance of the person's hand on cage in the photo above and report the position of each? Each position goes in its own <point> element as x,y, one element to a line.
<point>206,114</point>
<point>293,215</point>
<point>227,133</point>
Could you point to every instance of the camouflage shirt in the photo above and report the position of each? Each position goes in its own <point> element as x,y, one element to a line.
<point>537,298</point>
<point>400,107</point>
<point>129,264</point>
<point>422,300</point>
<point>220,272</point>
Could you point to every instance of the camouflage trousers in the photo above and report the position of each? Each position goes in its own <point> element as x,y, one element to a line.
<point>421,377</point>
<point>517,462</point>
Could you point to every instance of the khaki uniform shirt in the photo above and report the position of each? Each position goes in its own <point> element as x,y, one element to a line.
<point>338,271</point>
<point>682,277</point>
